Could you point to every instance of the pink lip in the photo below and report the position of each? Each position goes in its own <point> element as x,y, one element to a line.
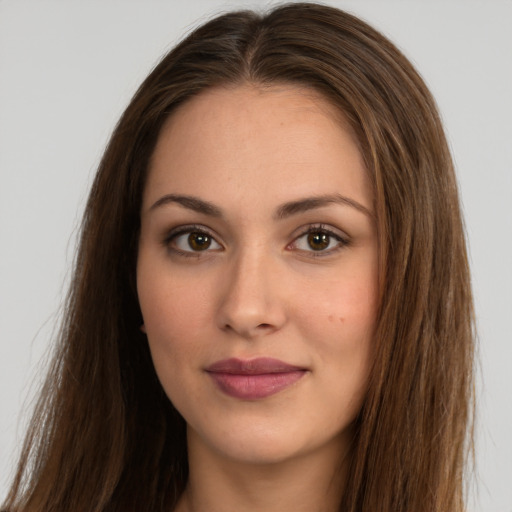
<point>254,379</point>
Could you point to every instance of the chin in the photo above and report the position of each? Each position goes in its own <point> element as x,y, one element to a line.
<point>265,446</point>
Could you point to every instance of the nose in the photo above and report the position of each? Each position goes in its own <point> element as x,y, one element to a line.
<point>252,300</point>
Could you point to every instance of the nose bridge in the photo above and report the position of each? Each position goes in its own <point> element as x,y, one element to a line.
<point>250,304</point>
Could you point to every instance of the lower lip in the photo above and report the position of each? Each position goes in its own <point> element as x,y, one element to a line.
<point>254,387</point>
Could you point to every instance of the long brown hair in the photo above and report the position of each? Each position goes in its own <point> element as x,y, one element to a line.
<point>105,437</point>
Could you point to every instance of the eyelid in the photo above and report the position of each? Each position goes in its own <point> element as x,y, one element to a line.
<point>342,238</point>
<point>187,229</point>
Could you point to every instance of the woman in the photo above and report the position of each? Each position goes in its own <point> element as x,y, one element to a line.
<point>271,304</point>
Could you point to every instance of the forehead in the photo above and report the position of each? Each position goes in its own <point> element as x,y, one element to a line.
<point>242,139</point>
<point>244,96</point>
<point>222,106</point>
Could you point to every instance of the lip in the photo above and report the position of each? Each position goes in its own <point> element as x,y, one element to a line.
<point>255,378</point>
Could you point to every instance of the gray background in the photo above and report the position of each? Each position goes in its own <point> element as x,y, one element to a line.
<point>68,68</point>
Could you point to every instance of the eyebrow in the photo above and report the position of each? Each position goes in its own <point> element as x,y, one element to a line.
<point>190,202</point>
<point>311,203</point>
<point>284,211</point>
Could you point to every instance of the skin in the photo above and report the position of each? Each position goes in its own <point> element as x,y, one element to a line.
<point>260,289</point>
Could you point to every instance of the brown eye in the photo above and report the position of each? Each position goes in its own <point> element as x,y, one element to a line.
<point>190,241</point>
<point>318,241</point>
<point>199,241</point>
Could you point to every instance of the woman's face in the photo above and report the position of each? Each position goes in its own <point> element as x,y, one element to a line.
<point>257,272</point>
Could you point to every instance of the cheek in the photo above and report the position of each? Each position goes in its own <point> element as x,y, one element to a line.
<point>346,308</point>
<point>344,300</point>
<point>170,330</point>
<point>172,308</point>
<point>177,317</point>
<point>342,324</point>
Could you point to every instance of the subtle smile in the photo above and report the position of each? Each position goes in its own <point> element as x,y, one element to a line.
<point>254,379</point>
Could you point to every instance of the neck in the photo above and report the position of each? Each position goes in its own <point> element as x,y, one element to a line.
<point>309,482</point>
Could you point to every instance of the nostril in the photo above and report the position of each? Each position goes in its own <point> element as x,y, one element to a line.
<point>250,332</point>
<point>250,311</point>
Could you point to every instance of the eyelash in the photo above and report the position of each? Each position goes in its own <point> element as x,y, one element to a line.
<point>321,229</point>
<point>187,230</point>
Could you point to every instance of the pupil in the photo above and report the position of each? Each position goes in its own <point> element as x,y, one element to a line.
<point>318,241</point>
<point>199,241</point>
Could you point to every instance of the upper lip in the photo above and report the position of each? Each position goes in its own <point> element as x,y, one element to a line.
<point>258,366</point>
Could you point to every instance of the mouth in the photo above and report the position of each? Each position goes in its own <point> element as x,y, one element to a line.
<point>254,379</point>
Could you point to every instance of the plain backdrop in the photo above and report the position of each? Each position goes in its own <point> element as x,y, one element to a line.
<point>67,70</point>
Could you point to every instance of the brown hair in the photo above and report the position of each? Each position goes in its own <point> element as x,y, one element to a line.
<point>105,437</point>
